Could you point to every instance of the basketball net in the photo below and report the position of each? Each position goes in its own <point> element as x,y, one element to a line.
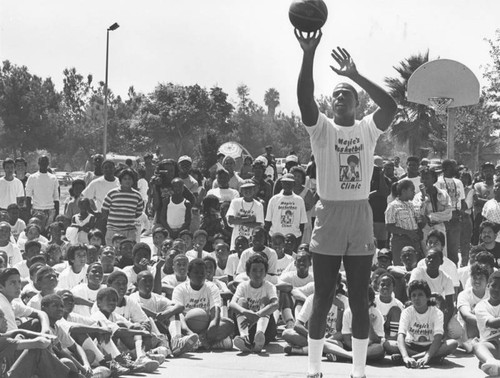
<point>440,104</point>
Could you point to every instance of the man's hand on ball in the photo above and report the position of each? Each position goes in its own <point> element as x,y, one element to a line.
<point>308,41</point>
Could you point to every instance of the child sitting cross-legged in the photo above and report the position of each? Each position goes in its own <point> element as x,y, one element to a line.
<point>375,350</point>
<point>291,280</point>
<point>197,292</point>
<point>132,336</point>
<point>254,302</point>
<point>420,334</point>
<point>296,337</point>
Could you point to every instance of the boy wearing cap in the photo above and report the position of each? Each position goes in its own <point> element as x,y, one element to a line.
<point>245,213</point>
<point>185,163</point>
<point>286,211</point>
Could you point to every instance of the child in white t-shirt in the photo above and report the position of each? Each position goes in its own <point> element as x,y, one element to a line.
<point>86,293</point>
<point>76,272</point>
<point>284,259</point>
<point>296,337</point>
<point>388,305</point>
<point>254,301</point>
<point>225,293</point>
<point>200,293</point>
<point>240,244</point>
<point>171,281</point>
<point>420,334</point>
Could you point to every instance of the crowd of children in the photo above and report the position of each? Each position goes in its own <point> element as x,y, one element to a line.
<point>109,304</point>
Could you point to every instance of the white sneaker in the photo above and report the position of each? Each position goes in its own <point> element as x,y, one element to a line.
<point>101,372</point>
<point>183,344</point>
<point>258,342</point>
<point>148,364</point>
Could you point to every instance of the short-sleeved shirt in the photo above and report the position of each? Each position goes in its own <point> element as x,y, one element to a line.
<point>224,195</point>
<point>111,322</point>
<point>421,328</point>
<point>255,298</point>
<point>491,212</point>
<point>43,188</point>
<point>455,189</point>
<point>447,267</point>
<point>124,208</point>
<point>286,213</point>
<point>483,191</point>
<point>157,303</point>
<point>272,259</point>
<point>441,285</point>
<point>293,279</point>
<point>331,318</point>
<point>13,253</point>
<point>98,189</point>
<point>83,291</point>
<point>13,310</point>
<point>344,157</point>
<point>402,214</point>
<point>239,208</point>
<point>171,280</point>
<point>63,337</point>
<point>484,312</point>
<point>206,298</point>
<point>468,299</point>
<point>385,307</point>
<point>232,264</point>
<point>376,319</point>
<point>9,191</point>
<point>283,263</point>
<point>68,279</point>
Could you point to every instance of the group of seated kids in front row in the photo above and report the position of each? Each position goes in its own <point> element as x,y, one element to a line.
<point>92,310</point>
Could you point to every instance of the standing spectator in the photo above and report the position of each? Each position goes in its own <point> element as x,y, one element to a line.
<point>491,209</point>
<point>290,162</point>
<point>389,172</point>
<point>466,222</point>
<point>42,192</point>
<point>380,188</point>
<point>299,188</point>
<point>175,214</point>
<point>148,164</point>
<point>223,190</point>
<point>11,188</point>
<point>22,174</point>
<point>121,207</point>
<point>286,212</point>
<point>271,161</point>
<point>235,180</point>
<point>455,190</point>
<point>399,171</point>
<point>264,189</point>
<point>185,164</point>
<point>97,172</point>
<point>413,165</point>
<point>71,205</point>
<point>246,171</point>
<point>99,188</point>
<point>483,191</point>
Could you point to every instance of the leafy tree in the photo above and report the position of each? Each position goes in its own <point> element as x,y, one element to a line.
<point>414,124</point>
<point>272,101</point>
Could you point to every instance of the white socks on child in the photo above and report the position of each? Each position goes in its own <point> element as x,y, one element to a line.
<point>138,346</point>
<point>88,344</point>
<point>111,349</point>
<point>359,351</point>
<point>315,353</point>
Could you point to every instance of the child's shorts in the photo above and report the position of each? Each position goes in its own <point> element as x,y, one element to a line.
<point>343,228</point>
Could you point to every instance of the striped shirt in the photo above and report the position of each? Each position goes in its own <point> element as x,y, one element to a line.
<point>124,208</point>
<point>402,214</point>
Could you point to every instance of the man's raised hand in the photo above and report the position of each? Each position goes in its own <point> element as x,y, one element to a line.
<point>346,64</point>
<point>308,41</point>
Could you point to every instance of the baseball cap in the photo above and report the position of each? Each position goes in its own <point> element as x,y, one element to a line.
<point>288,177</point>
<point>184,158</point>
<point>249,183</point>
<point>291,158</point>
<point>384,252</point>
<point>488,164</point>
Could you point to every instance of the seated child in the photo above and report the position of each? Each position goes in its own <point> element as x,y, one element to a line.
<point>45,282</point>
<point>187,236</point>
<point>29,289</point>
<point>11,249</point>
<point>199,242</point>
<point>254,302</point>
<point>384,259</point>
<point>171,281</point>
<point>17,225</point>
<point>31,232</point>
<point>200,293</point>
<point>221,252</point>
<point>125,255</point>
<point>31,248</point>
<point>376,334</point>
<point>240,243</point>
<point>86,293</point>
<point>284,259</point>
<point>466,304</point>
<point>402,273</point>
<point>76,272</point>
<point>290,280</point>
<point>420,335</point>
<point>141,256</point>
<point>388,305</point>
<point>159,236</point>
<point>225,293</point>
<point>297,336</point>
<point>81,223</point>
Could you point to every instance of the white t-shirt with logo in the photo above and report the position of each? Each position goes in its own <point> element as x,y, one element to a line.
<point>238,208</point>
<point>331,319</point>
<point>206,298</point>
<point>344,157</point>
<point>467,298</point>
<point>421,328</point>
<point>286,214</point>
<point>256,298</point>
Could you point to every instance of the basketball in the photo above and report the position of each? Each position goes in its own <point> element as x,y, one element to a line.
<point>197,320</point>
<point>308,15</point>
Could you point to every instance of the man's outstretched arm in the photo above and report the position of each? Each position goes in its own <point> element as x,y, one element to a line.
<point>387,106</point>
<point>305,88</point>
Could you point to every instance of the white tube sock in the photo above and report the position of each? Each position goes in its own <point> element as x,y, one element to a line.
<point>138,346</point>
<point>88,344</point>
<point>315,353</point>
<point>359,351</point>
<point>111,349</point>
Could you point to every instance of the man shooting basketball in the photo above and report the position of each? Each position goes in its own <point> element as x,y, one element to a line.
<point>343,228</point>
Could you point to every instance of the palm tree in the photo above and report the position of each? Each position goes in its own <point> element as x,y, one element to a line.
<point>414,124</point>
<point>272,101</point>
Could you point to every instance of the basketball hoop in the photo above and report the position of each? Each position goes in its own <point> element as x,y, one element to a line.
<point>440,104</point>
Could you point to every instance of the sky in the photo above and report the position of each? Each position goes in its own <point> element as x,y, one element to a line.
<point>233,42</point>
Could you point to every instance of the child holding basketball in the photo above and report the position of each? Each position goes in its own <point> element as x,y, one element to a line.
<point>254,301</point>
<point>420,334</point>
<point>200,293</point>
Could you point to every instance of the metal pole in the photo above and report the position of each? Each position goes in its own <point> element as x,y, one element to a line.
<point>450,121</point>
<point>105,140</point>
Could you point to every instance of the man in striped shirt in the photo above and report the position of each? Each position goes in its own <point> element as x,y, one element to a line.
<point>121,207</point>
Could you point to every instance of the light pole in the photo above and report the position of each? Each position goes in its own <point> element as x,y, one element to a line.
<point>105,141</point>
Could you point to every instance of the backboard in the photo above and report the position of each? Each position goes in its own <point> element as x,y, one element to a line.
<point>443,78</point>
